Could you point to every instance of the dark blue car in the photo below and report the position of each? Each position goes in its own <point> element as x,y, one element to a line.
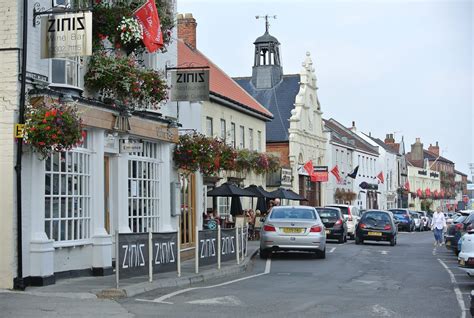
<point>405,221</point>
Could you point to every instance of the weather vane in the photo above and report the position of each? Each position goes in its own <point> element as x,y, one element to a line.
<point>266,17</point>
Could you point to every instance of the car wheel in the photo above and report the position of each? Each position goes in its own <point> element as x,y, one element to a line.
<point>357,240</point>
<point>351,236</point>
<point>321,254</point>
<point>341,239</point>
<point>392,241</point>
<point>264,254</point>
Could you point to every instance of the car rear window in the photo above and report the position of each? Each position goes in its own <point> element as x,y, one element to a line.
<point>378,216</point>
<point>328,213</point>
<point>343,209</point>
<point>293,214</point>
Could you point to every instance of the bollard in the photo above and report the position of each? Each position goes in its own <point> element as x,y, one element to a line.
<point>237,244</point>
<point>196,251</point>
<point>117,259</point>
<point>219,247</point>
<point>150,255</point>
<point>178,262</point>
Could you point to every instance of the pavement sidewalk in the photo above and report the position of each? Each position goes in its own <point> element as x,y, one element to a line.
<point>104,287</point>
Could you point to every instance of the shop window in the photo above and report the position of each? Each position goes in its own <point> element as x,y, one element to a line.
<point>143,189</point>
<point>68,195</point>
<point>223,206</point>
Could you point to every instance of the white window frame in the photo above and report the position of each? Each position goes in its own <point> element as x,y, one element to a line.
<point>70,191</point>
<point>223,130</point>
<point>144,189</point>
<point>259,140</point>
<point>223,206</point>
<point>209,128</point>
<point>233,140</point>
<point>251,146</point>
<point>76,70</point>
<point>242,137</point>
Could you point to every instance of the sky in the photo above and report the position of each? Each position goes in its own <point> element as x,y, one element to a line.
<point>392,66</point>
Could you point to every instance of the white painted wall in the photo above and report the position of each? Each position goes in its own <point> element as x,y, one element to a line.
<point>418,181</point>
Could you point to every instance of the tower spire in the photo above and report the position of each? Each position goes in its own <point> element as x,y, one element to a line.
<point>266,17</point>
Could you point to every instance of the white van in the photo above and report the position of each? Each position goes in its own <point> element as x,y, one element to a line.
<point>351,214</point>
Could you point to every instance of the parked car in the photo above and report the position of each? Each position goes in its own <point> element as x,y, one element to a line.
<point>425,220</point>
<point>376,225</point>
<point>454,233</point>
<point>465,226</point>
<point>466,255</point>
<point>418,226</point>
<point>351,214</point>
<point>293,228</point>
<point>404,218</point>
<point>334,222</point>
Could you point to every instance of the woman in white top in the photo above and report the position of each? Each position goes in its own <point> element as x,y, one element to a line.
<point>438,224</point>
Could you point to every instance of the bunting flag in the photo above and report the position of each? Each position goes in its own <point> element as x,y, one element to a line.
<point>407,186</point>
<point>436,194</point>
<point>147,16</point>
<point>419,193</point>
<point>353,174</point>
<point>380,176</point>
<point>428,192</point>
<point>310,170</point>
<point>335,172</point>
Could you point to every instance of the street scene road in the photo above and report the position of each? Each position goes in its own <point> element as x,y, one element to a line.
<point>370,280</point>
<point>411,279</point>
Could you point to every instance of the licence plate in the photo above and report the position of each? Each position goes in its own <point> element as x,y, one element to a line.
<point>292,230</point>
<point>462,262</point>
<point>374,234</point>
<point>328,232</point>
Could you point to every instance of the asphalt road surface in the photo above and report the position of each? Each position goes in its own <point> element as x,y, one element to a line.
<point>412,279</point>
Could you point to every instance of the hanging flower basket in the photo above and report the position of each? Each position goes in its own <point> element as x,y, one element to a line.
<point>116,23</point>
<point>121,78</point>
<point>52,128</point>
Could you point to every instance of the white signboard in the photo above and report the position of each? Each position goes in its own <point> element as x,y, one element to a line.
<point>189,85</point>
<point>66,35</point>
<point>285,177</point>
<point>131,147</point>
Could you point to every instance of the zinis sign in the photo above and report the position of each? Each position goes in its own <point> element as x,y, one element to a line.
<point>189,85</point>
<point>66,35</point>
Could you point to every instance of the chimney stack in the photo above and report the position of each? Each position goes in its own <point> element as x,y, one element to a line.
<point>389,139</point>
<point>187,29</point>
<point>417,150</point>
<point>434,149</point>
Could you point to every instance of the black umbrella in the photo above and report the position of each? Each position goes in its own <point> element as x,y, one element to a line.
<point>262,205</point>
<point>236,206</point>
<point>230,190</point>
<point>287,194</point>
<point>260,192</point>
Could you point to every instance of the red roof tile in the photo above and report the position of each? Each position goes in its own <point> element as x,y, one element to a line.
<point>220,82</point>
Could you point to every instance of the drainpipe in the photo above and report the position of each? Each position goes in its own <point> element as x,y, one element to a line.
<point>18,282</point>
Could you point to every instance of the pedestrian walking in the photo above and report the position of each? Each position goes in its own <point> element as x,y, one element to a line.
<point>438,223</point>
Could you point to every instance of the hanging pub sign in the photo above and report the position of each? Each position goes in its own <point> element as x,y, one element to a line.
<point>189,85</point>
<point>285,177</point>
<point>66,35</point>
<point>321,173</point>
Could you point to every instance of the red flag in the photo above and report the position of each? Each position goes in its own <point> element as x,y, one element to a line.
<point>310,170</point>
<point>147,16</point>
<point>407,186</point>
<point>419,193</point>
<point>335,172</point>
<point>380,176</point>
<point>436,194</point>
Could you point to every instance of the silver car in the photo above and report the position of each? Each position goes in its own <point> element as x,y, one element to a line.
<point>293,228</point>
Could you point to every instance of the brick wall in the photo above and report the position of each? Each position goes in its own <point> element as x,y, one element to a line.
<point>284,151</point>
<point>9,87</point>
<point>187,29</point>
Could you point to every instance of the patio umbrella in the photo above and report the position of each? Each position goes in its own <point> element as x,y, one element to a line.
<point>260,192</point>
<point>230,190</point>
<point>287,194</point>
<point>235,206</point>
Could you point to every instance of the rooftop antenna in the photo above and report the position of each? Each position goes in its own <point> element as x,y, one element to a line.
<point>266,17</point>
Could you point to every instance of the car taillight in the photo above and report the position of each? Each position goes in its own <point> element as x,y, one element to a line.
<point>458,226</point>
<point>316,229</point>
<point>387,227</point>
<point>470,261</point>
<point>349,217</point>
<point>338,222</point>
<point>269,228</point>
<point>362,226</point>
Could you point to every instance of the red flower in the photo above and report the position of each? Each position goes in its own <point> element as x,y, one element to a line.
<point>41,143</point>
<point>47,114</point>
<point>48,128</point>
<point>54,136</point>
<point>44,121</point>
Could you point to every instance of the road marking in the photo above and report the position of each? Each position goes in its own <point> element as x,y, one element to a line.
<point>384,252</point>
<point>226,300</point>
<point>382,311</point>
<point>459,296</point>
<point>332,250</point>
<point>163,298</point>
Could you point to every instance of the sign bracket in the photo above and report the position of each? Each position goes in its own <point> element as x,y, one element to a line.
<point>38,11</point>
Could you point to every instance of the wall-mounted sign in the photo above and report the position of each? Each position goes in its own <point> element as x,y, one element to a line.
<point>321,173</point>
<point>126,146</point>
<point>189,85</point>
<point>285,177</point>
<point>19,130</point>
<point>66,35</point>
